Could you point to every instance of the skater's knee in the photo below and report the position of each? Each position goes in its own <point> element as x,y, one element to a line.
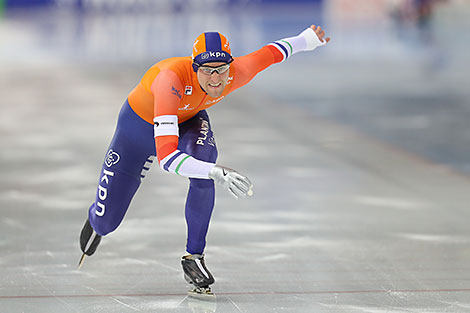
<point>104,224</point>
<point>204,150</point>
<point>102,227</point>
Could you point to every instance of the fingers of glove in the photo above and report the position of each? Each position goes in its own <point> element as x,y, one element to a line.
<point>236,175</point>
<point>246,185</point>
<point>250,191</point>
<point>241,185</point>
<point>237,191</point>
<point>232,192</point>
<point>242,179</point>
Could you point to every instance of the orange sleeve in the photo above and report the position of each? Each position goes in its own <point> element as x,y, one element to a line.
<point>246,67</point>
<point>166,89</point>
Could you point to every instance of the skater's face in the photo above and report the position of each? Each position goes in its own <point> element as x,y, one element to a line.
<point>213,77</point>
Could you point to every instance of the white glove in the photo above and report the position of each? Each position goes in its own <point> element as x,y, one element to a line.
<point>238,184</point>
<point>312,39</point>
<point>307,40</point>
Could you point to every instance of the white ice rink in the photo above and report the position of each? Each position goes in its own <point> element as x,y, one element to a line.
<point>342,219</point>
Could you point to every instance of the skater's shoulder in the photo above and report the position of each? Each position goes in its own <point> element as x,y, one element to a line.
<point>175,64</point>
<point>180,66</point>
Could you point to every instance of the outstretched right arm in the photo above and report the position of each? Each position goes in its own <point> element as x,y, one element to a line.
<point>246,67</point>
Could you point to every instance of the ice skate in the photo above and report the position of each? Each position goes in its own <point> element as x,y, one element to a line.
<point>197,274</point>
<point>89,241</point>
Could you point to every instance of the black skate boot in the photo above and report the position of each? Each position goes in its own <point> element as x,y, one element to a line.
<point>197,274</point>
<point>89,241</point>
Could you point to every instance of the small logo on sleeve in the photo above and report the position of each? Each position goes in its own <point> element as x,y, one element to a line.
<point>186,107</point>
<point>163,123</point>
<point>176,92</point>
<point>111,158</point>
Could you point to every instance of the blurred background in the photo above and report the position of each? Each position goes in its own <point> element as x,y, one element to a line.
<point>361,197</point>
<point>395,69</point>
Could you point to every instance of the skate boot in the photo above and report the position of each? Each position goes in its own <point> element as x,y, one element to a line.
<point>197,274</point>
<point>89,241</point>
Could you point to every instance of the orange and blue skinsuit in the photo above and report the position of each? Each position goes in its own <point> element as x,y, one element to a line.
<point>169,92</point>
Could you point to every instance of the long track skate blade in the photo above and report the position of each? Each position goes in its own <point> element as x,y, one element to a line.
<point>201,294</point>
<point>82,260</point>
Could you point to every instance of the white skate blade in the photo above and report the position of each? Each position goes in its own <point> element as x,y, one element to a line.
<point>80,263</point>
<point>201,294</point>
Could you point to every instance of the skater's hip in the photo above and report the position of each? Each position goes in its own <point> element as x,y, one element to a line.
<point>133,127</point>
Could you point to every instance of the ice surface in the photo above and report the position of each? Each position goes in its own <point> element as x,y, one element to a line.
<point>341,219</point>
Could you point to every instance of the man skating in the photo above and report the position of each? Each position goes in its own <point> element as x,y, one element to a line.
<point>164,116</point>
